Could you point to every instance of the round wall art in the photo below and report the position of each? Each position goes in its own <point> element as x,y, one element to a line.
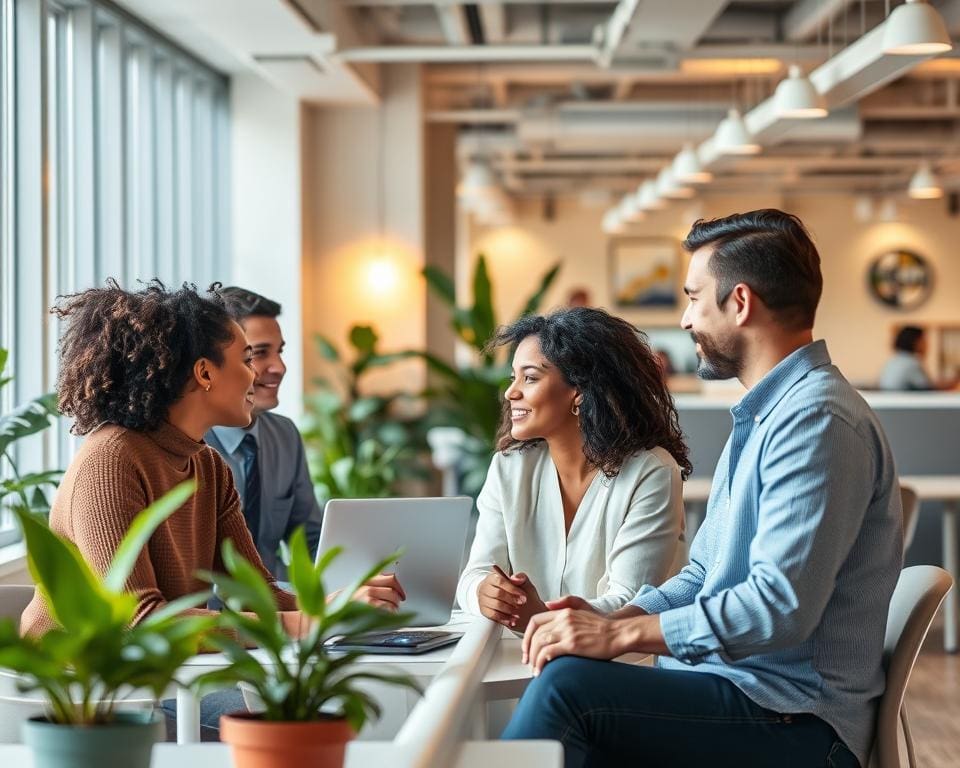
<point>900,279</point>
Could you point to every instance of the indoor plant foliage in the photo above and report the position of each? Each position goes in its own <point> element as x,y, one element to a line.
<point>84,666</point>
<point>358,447</point>
<point>304,682</point>
<point>25,491</point>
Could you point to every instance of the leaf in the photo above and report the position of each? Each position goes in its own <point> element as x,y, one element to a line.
<point>365,407</point>
<point>141,530</point>
<point>4,356</point>
<point>441,283</point>
<point>306,582</point>
<point>484,322</point>
<point>326,349</point>
<point>28,419</point>
<point>364,339</point>
<point>533,303</point>
<point>71,590</point>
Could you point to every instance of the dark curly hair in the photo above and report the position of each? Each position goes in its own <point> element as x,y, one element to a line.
<point>126,356</point>
<point>626,406</point>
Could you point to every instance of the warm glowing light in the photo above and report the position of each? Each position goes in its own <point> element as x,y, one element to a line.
<point>383,276</point>
<point>731,66</point>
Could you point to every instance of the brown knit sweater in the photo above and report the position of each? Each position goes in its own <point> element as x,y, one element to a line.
<point>116,473</point>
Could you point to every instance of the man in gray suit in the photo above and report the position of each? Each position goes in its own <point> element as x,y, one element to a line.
<point>267,458</point>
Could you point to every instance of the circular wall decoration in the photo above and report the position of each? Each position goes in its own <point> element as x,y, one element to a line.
<point>900,279</point>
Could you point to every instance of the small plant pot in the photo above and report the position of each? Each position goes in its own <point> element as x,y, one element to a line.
<point>258,743</point>
<point>127,741</point>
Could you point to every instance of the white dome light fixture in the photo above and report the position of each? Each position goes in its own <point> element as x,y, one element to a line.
<point>915,29</point>
<point>687,168</point>
<point>733,138</point>
<point>796,97</point>
<point>648,198</point>
<point>630,211</point>
<point>925,185</point>
<point>478,183</point>
<point>668,187</point>
<point>612,223</point>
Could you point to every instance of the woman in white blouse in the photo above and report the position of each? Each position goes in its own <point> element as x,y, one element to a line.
<point>584,495</point>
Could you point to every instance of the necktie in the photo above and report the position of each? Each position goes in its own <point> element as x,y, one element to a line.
<point>251,488</point>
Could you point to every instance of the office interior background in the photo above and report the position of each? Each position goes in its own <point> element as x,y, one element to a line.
<point>325,152</point>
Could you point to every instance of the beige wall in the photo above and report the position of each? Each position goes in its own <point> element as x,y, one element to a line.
<point>363,167</point>
<point>856,327</point>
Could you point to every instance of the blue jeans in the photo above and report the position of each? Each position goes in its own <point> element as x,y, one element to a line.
<point>610,714</point>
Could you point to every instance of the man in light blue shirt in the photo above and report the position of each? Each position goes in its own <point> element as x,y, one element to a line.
<point>770,640</point>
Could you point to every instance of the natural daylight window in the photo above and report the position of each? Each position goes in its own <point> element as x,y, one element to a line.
<point>112,164</point>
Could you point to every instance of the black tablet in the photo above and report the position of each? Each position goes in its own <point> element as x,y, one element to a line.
<point>399,641</point>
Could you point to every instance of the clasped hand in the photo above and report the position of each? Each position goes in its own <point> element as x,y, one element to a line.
<point>509,600</point>
<point>570,627</point>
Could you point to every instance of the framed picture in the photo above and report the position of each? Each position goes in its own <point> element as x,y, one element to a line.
<point>644,272</point>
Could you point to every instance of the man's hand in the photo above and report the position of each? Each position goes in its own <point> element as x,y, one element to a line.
<point>568,632</point>
<point>382,591</point>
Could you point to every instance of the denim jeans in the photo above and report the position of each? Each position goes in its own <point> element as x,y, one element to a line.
<point>212,706</point>
<point>610,714</point>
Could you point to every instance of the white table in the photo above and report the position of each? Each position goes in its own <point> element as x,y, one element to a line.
<point>942,488</point>
<point>475,754</point>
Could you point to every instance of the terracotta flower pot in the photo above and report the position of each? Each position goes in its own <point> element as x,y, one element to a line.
<point>258,743</point>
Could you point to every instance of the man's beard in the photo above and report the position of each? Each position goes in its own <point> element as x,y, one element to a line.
<point>718,360</point>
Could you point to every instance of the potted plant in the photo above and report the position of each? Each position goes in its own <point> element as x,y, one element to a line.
<point>84,666</point>
<point>312,705</point>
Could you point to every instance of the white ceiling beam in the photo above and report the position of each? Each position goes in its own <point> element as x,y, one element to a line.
<point>806,16</point>
<point>677,23</point>
<point>493,17</point>
<point>453,22</point>
<point>468,53</point>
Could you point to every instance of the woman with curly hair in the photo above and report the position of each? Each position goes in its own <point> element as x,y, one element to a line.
<point>144,375</point>
<point>584,495</point>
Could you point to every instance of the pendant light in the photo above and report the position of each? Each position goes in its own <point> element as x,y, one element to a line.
<point>648,199</point>
<point>733,138</point>
<point>924,185</point>
<point>612,224</point>
<point>478,183</point>
<point>687,168</point>
<point>629,210</point>
<point>915,29</point>
<point>796,97</point>
<point>668,187</point>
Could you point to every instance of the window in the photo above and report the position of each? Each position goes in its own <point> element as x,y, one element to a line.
<point>111,165</point>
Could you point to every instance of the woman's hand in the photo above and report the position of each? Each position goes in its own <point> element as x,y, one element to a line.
<point>382,591</point>
<point>508,600</point>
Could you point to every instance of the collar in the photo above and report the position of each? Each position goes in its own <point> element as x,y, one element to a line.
<point>175,442</point>
<point>230,437</point>
<point>772,388</point>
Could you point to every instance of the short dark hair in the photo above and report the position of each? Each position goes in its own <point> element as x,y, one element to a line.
<point>126,356</point>
<point>772,252</point>
<point>907,338</point>
<point>626,405</point>
<point>241,303</point>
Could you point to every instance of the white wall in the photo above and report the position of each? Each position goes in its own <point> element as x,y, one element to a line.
<point>267,212</point>
<point>857,328</point>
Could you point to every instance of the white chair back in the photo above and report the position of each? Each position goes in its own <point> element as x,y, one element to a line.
<point>14,598</point>
<point>920,591</point>
<point>911,512</point>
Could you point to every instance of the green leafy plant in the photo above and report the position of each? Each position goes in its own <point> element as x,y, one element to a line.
<point>305,675</point>
<point>94,654</point>
<point>357,447</point>
<point>25,491</point>
<point>470,398</point>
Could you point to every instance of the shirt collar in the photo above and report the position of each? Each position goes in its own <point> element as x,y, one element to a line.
<point>230,437</point>
<point>771,389</point>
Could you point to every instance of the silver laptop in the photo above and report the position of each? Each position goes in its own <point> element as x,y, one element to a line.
<point>431,532</point>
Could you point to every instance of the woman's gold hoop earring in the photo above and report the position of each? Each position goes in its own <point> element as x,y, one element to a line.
<point>575,410</point>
